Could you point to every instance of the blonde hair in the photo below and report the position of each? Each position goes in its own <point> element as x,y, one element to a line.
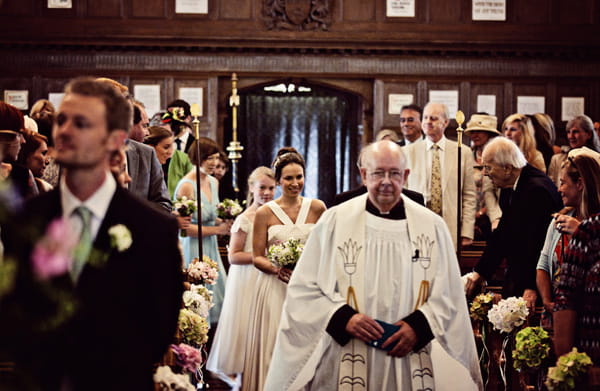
<point>253,178</point>
<point>527,145</point>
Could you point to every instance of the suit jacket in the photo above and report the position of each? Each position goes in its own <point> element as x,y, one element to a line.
<point>416,155</point>
<point>147,180</point>
<point>526,213</point>
<point>345,196</point>
<point>126,307</point>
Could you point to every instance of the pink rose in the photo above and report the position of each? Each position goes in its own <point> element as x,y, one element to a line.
<point>53,253</point>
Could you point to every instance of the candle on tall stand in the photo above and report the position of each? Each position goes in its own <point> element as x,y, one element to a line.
<point>460,119</point>
<point>195,111</point>
<point>234,148</point>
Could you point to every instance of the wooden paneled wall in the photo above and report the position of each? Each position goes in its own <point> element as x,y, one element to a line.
<point>549,48</point>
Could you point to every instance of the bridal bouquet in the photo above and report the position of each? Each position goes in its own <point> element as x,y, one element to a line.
<point>508,314</point>
<point>185,207</point>
<point>285,254</point>
<point>229,209</point>
<point>205,271</point>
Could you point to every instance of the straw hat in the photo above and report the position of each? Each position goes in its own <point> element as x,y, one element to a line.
<point>483,123</point>
<point>584,151</point>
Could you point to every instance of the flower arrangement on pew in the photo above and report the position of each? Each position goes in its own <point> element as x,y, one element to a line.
<point>568,371</point>
<point>229,209</point>
<point>478,310</point>
<point>285,254</point>
<point>203,271</point>
<point>532,349</point>
<point>187,353</point>
<point>506,316</point>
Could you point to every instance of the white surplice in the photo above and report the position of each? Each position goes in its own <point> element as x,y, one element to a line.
<point>306,357</point>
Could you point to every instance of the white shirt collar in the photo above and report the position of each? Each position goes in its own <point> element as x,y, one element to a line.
<point>441,143</point>
<point>98,203</point>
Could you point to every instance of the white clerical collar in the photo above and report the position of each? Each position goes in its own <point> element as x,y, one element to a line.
<point>441,143</point>
<point>98,203</point>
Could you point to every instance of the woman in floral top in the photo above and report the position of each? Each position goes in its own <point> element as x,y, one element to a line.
<point>577,296</point>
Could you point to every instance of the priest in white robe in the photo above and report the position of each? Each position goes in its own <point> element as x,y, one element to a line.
<point>377,257</point>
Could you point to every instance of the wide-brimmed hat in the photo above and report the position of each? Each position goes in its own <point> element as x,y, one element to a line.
<point>483,123</point>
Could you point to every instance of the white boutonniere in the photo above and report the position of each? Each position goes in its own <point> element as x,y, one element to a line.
<point>120,237</point>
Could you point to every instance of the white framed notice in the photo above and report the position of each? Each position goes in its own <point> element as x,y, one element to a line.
<point>400,8</point>
<point>489,9</point>
<point>149,95</point>
<point>486,104</point>
<point>192,95</point>
<point>396,101</point>
<point>531,104</point>
<point>571,107</point>
<point>191,6</point>
<point>60,4</point>
<point>55,98</point>
<point>17,98</point>
<point>447,97</point>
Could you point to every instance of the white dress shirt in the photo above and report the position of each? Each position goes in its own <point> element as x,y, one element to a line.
<point>98,203</point>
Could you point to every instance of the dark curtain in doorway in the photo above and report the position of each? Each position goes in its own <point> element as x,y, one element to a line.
<point>321,124</point>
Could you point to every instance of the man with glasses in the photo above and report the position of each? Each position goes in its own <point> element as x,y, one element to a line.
<point>410,124</point>
<point>378,281</point>
<point>528,199</point>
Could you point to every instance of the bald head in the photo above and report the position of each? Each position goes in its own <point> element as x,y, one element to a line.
<point>384,173</point>
<point>435,120</point>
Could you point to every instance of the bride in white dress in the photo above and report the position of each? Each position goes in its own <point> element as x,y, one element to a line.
<point>226,357</point>
<point>289,216</point>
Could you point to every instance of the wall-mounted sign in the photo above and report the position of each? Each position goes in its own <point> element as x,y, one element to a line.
<point>571,107</point>
<point>17,98</point>
<point>400,8</point>
<point>447,97</point>
<point>489,9</point>
<point>191,6</point>
<point>396,101</point>
<point>149,95</point>
<point>191,95</point>
<point>486,104</point>
<point>531,104</point>
<point>60,4</point>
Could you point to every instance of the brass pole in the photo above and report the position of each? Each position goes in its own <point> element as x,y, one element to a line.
<point>460,119</point>
<point>234,148</point>
<point>195,111</point>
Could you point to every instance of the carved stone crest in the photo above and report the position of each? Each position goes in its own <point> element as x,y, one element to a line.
<point>297,14</point>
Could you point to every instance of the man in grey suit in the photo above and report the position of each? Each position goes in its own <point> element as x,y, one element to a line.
<point>147,180</point>
<point>421,156</point>
<point>146,174</point>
